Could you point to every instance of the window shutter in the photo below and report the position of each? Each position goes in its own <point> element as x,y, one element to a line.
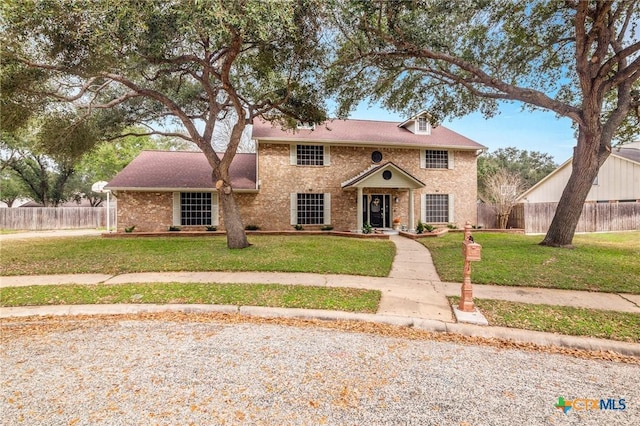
<point>293,154</point>
<point>451,212</point>
<point>327,209</point>
<point>176,209</point>
<point>294,208</point>
<point>423,159</point>
<point>215,215</point>
<point>450,159</point>
<point>423,208</point>
<point>327,156</point>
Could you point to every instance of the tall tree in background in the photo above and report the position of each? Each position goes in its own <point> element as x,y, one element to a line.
<point>42,176</point>
<point>529,166</point>
<point>580,59</point>
<point>112,64</point>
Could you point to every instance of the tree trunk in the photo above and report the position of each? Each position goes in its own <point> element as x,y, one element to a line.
<point>589,155</point>
<point>236,236</point>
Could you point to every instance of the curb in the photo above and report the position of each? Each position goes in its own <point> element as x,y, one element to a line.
<point>515,335</point>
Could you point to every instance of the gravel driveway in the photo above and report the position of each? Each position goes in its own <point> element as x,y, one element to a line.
<point>147,372</point>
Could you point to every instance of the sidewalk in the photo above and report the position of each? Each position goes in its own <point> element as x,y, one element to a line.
<point>412,295</point>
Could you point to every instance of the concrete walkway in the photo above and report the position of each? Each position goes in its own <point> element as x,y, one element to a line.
<point>412,295</point>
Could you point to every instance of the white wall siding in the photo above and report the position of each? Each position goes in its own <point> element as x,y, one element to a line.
<point>618,179</point>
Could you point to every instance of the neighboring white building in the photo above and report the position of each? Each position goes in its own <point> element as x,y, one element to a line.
<point>618,180</point>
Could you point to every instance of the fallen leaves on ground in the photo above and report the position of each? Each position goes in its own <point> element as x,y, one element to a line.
<point>28,327</point>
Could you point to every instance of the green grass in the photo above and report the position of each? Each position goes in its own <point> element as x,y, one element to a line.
<point>600,262</point>
<point>319,254</point>
<point>622,326</point>
<point>273,295</point>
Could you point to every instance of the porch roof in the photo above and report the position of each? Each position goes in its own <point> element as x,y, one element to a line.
<point>375,176</point>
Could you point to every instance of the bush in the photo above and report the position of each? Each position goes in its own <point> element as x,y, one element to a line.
<point>130,229</point>
<point>326,228</point>
<point>174,228</point>
<point>251,228</point>
<point>212,228</point>
<point>298,227</point>
<point>367,228</point>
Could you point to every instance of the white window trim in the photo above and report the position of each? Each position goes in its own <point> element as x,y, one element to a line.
<point>293,155</point>
<point>293,208</point>
<point>426,131</point>
<point>423,208</point>
<point>450,159</point>
<point>177,210</point>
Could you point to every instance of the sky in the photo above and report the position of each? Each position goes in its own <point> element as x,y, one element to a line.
<point>538,131</point>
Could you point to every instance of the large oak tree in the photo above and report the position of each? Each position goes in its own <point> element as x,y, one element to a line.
<point>580,59</point>
<point>179,65</point>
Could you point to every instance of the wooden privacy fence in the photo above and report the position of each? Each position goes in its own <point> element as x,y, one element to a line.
<point>41,218</point>
<point>535,218</point>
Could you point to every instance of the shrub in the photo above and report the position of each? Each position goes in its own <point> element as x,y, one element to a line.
<point>420,228</point>
<point>212,228</point>
<point>174,228</point>
<point>130,229</point>
<point>251,228</point>
<point>367,228</point>
<point>298,227</point>
<point>326,228</point>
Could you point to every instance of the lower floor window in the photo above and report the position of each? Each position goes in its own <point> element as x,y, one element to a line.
<point>436,208</point>
<point>310,209</point>
<point>195,208</point>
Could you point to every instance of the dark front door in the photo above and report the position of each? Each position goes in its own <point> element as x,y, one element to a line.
<point>376,210</point>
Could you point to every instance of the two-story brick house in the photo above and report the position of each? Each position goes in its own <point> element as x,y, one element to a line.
<point>345,173</point>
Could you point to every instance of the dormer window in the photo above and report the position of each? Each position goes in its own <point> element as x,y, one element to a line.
<point>423,124</point>
<point>418,124</point>
<point>305,126</point>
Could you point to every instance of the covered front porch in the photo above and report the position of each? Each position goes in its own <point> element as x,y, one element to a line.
<point>384,192</point>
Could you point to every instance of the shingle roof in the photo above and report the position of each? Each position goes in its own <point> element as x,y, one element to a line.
<point>366,132</point>
<point>632,154</point>
<point>181,170</point>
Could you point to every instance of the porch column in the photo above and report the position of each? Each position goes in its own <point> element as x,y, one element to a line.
<point>359,223</point>
<point>412,224</point>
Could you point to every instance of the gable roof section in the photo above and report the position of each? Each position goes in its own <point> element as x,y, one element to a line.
<point>181,170</point>
<point>365,133</point>
<point>631,154</point>
<point>627,154</point>
<point>404,180</point>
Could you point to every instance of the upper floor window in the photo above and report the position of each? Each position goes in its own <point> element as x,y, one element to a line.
<point>305,126</point>
<point>436,159</point>
<point>310,155</point>
<point>423,124</point>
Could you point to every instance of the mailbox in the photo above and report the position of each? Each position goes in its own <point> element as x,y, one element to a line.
<point>471,251</point>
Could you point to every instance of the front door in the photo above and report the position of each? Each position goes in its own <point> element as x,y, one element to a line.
<point>376,210</point>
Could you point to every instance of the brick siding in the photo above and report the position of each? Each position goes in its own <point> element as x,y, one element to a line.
<point>270,207</point>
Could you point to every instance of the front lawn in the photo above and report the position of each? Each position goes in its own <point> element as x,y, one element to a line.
<point>318,254</point>
<point>272,295</point>
<point>623,326</point>
<point>600,262</point>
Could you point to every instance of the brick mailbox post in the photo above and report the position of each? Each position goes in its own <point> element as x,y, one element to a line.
<point>472,253</point>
